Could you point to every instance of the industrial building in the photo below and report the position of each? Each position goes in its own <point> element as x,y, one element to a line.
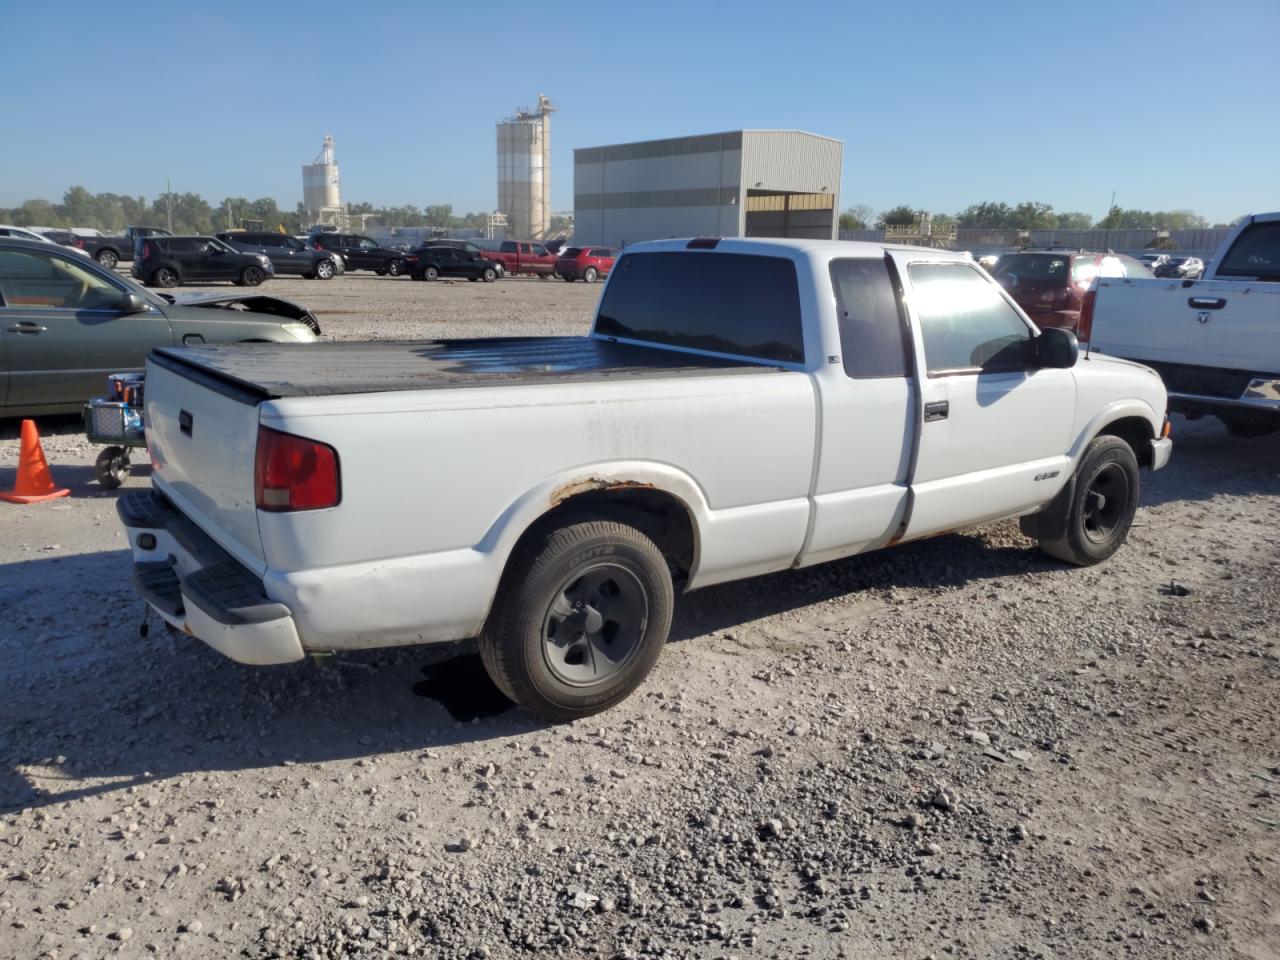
<point>744,183</point>
<point>524,171</point>
<point>321,189</point>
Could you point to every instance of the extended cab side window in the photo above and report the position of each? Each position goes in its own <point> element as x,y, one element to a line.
<point>1255,254</point>
<point>732,303</point>
<point>508,246</point>
<point>872,335</point>
<point>966,324</point>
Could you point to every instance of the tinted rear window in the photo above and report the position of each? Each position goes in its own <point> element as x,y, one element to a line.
<point>1256,253</point>
<point>571,253</point>
<point>1034,266</point>
<point>724,302</point>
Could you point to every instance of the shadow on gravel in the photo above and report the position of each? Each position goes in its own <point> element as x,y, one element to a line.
<point>1208,462</point>
<point>81,481</point>
<point>90,707</point>
<point>58,424</point>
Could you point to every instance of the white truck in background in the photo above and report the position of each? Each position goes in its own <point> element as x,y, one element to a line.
<point>740,407</point>
<point>1214,341</point>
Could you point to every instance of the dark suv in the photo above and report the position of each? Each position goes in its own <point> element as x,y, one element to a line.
<point>169,261</point>
<point>361,253</point>
<point>1050,284</point>
<point>288,255</point>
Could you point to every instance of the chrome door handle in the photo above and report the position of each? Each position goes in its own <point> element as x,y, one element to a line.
<point>1207,303</point>
<point>27,326</point>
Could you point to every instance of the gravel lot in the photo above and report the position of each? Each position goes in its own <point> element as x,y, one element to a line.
<point>954,749</point>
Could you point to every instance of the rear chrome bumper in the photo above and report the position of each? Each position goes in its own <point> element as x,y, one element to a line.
<point>1258,395</point>
<point>200,589</point>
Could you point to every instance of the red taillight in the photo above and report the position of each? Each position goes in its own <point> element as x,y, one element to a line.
<point>146,250</point>
<point>79,242</point>
<point>294,473</point>
<point>1085,327</point>
<point>319,245</point>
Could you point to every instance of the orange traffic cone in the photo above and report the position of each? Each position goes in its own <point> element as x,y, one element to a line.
<point>34,482</point>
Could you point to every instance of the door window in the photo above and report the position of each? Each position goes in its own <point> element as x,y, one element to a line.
<point>33,280</point>
<point>872,335</point>
<point>367,244</point>
<point>539,250</point>
<point>966,324</point>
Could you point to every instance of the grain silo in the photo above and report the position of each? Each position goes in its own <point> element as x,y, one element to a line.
<point>524,171</point>
<point>321,196</point>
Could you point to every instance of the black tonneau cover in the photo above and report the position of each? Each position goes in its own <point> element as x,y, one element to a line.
<point>272,370</point>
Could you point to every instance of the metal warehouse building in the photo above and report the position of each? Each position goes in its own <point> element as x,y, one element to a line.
<point>745,183</point>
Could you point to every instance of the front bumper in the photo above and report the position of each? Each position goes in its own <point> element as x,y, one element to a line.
<point>1161,451</point>
<point>197,587</point>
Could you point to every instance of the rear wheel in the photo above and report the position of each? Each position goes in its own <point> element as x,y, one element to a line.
<point>324,269</point>
<point>108,259</point>
<point>589,275</point>
<point>252,276</point>
<point>166,277</point>
<point>1099,508</point>
<point>580,619</point>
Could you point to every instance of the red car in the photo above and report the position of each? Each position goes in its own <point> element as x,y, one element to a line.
<point>1050,284</point>
<point>521,256</point>
<point>585,263</point>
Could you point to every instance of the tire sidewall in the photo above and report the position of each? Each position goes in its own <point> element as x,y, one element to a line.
<point>107,259</point>
<point>431,273</point>
<point>322,266</point>
<point>530,602</point>
<point>1115,451</point>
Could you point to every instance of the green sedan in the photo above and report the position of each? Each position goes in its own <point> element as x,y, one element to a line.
<point>66,322</point>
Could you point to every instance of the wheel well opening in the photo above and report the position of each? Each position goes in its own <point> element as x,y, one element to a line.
<point>658,515</point>
<point>1136,432</point>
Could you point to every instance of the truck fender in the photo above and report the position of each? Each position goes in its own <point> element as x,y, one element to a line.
<point>1116,410</point>
<point>560,489</point>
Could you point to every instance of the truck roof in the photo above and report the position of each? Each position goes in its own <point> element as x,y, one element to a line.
<point>761,246</point>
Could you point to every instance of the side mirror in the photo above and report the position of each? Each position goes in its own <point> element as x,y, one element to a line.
<point>133,302</point>
<point>1056,349</point>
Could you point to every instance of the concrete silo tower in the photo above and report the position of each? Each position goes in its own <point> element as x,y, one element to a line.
<point>524,171</point>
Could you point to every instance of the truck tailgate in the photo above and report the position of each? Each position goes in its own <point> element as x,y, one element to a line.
<point>202,436</point>
<point>1211,323</point>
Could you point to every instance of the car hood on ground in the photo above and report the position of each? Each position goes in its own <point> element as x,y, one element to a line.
<point>249,303</point>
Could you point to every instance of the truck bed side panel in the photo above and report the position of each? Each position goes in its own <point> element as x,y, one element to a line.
<point>438,484</point>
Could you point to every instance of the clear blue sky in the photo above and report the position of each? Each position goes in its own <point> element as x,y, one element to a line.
<point>939,105</point>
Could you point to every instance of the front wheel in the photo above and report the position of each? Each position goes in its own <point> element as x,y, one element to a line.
<point>579,621</point>
<point>1099,508</point>
<point>431,273</point>
<point>589,275</point>
<point>252,276</point>
<point>324,269</point>
<point>395,268</point>
<point>111,467</point>
<point>490,274</point>
<point>108,259</point>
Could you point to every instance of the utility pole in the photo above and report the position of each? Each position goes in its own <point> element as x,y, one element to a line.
<point>1106,237</point>
<point>168,203</point>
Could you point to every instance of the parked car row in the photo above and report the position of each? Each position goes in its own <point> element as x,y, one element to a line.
<point>1050,285</point>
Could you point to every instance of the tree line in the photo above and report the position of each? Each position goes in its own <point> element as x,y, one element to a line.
<point>1029,215</point>
<point>190,213</point>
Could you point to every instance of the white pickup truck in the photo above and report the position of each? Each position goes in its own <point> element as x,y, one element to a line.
<point>1215,341</point>
<point>740,407</point>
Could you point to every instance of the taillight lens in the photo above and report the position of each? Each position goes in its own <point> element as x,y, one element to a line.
<point>79,242</point>
<point>146,250</point>
<point>1085,327</point>
<point>294,473</point>
<point>319,245</point>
